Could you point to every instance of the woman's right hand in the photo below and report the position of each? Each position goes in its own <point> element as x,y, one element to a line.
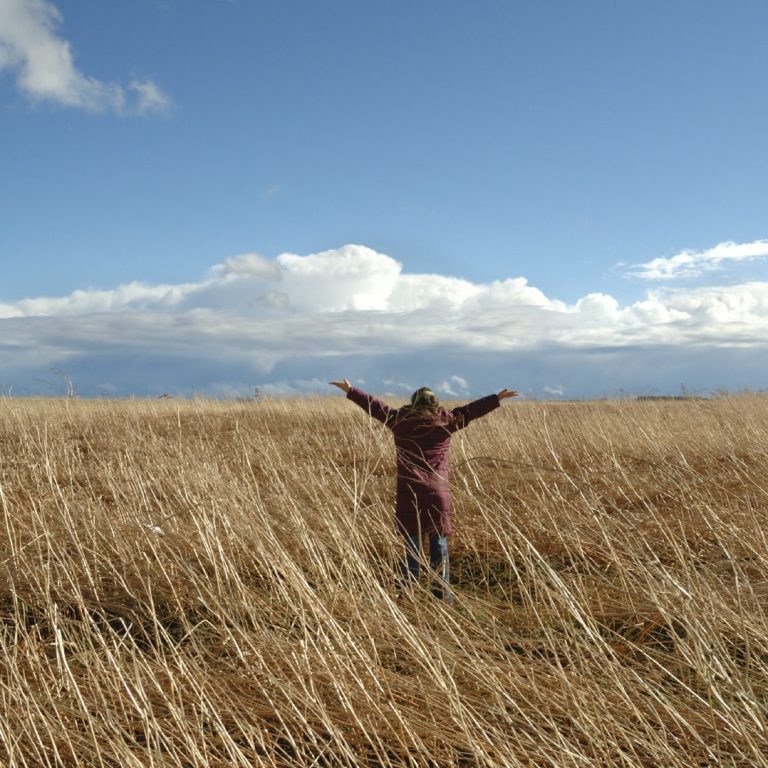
<point>344,385</point>
<point>505,393</point>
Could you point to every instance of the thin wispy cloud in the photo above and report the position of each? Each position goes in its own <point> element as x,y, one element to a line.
<point>42,62</point>
<point>688,264</point>
<point>288,321</point>
<point>151,97</point>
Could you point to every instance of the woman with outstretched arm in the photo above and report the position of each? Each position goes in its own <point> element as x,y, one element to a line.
<point>422,433</point>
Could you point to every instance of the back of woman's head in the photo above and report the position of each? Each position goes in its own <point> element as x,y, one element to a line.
<point>424,399</point>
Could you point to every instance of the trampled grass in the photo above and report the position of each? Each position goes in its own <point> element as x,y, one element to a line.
<point>609,559</point>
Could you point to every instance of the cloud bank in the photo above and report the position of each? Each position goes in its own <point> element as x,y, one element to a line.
<point>42,61</point>
<point>290,323</point>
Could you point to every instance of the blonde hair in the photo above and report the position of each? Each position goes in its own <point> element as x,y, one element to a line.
<point>424,399</point>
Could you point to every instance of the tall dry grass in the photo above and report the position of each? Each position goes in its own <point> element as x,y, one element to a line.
<point>610,564</point>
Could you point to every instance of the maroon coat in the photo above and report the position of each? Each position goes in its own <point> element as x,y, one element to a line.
<point>422,444</point>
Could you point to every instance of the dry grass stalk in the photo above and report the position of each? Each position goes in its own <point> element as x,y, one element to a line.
<point>610,563</point>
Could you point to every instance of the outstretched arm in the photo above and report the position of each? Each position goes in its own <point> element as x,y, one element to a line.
<point>373,406</point>
<point>477,408</point>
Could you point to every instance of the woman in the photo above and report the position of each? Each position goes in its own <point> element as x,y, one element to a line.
<point>422,432</point>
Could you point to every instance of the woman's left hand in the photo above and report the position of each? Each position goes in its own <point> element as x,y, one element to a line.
<point>343,385</point>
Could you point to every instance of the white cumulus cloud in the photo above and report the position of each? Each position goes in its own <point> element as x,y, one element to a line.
<point>45,69</point>
<point>293,319</point>
<point>356,286</point>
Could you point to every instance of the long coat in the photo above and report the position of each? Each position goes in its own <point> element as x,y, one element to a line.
<point>422,445</point>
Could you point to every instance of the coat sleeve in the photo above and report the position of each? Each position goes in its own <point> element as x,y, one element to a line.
<point>474,410</point>
<point>373,406</point>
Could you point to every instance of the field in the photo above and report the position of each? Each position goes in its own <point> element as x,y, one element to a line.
<point>199,583</point>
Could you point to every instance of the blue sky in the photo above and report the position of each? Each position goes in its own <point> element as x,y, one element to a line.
<point>209,195</point>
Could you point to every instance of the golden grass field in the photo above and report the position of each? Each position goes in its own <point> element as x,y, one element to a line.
<point>610,564</point>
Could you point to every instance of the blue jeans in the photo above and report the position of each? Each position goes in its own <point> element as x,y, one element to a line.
<point>438,563</point>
